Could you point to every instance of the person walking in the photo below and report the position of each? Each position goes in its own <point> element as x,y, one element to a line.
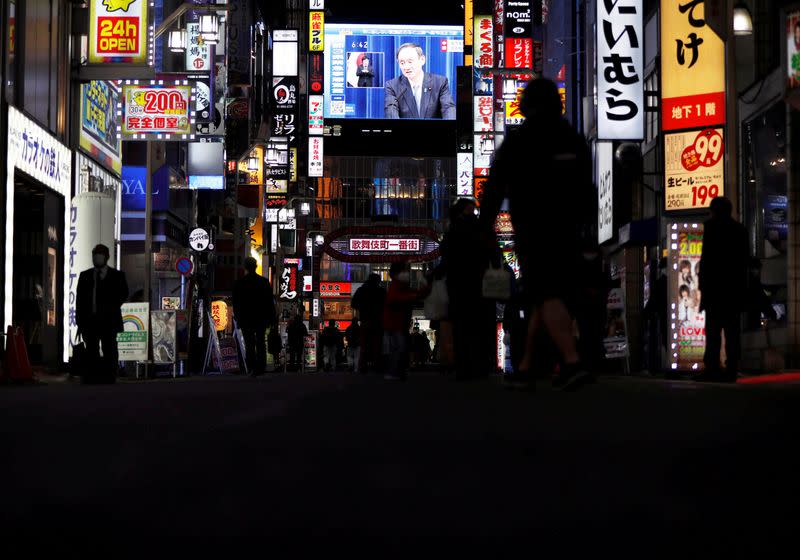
<point>397,319</point>
<point>420,348</point>
<point>369,301</point>
<point>464,262</point>
<point>254,311</point>
<point>275,347</point>
<point>100,294</point>
<point>331,340</point>
<point>296,334</point>
<point>555,203</point>
<point>353,336</point>
<point>723,289</point>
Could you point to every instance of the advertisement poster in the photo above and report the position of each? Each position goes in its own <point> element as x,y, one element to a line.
<point>687,332</point>
<point>694,168</point>
<point>118,31</point>
<point>132,342</point>
<point>793,50</point>
<point>229,351</point>
<point>692,68</point>
<point>368,76</point>
<point>164,334</point>
<point>311,350</point>
<point>616,331</point>
<point>99,126</point>
<point>157,110</point>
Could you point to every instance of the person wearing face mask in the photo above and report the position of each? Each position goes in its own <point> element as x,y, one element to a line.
<point>101,292</point>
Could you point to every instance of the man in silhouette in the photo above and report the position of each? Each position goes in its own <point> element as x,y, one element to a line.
<point>101,292</point>
<point>254,309</point>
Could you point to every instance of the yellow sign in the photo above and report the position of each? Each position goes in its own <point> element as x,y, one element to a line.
<point>316,27</point>
<point>694,168</point>
<point>118,31</point>
<point>468,23</point>
<point>219,311</point>
<point>692,67</point>
<point>293,164</point>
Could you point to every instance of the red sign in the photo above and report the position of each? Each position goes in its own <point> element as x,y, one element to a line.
<point>519,52</point>
<point>117,35</point>
<point>694,111</point>
<point>335,289</point>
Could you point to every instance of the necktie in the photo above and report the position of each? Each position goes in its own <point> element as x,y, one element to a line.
<point>418,98</point>
<point>94,292</point>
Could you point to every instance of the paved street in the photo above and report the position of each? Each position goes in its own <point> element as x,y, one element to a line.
<point>339,453</point>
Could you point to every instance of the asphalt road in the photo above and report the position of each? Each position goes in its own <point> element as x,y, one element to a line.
<point>335,454</point>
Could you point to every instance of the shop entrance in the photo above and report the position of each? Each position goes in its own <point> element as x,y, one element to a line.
<point>37,269</point>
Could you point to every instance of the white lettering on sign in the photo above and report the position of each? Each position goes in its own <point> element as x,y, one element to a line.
<point>620,84</point>
<point>390,245</point>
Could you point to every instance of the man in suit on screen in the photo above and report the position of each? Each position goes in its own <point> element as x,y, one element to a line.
<point>417,94</point>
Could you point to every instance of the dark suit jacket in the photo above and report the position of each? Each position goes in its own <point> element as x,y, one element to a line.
<point>437,102</point>
<point>111,294</point>
<point>253,304</point>
<point>723,265</point>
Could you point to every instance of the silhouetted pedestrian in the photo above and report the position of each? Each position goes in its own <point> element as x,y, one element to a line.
<point>331,340</point>
<point>254,310</point>
<point>369,300</point>
<point>296,333</point>
<point>397,312</point>
<point>100,294</point>
<point>723,289</point>
<point>353,336</point>
<point>544,169</point>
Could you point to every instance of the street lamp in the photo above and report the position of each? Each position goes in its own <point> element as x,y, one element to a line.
<point>742,21</point>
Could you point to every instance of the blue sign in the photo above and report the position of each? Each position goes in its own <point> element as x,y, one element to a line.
<point>134,186</point>
<point>184,266</point>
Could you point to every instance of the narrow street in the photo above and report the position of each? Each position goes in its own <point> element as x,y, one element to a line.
<point>341,454</point>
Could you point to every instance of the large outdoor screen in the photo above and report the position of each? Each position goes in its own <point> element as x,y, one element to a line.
<point>392,71</point>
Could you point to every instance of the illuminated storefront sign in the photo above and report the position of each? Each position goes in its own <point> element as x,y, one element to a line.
<point>157,110</point>
<point>390,245</point>
<point>335,289</point>
<point>100,134</point>
<point>118,31</point>
<point>288,282</point>
<point>620,66</point>
<point>604,157</point>
<point>198,52</point>
<point>315,156</point>
<point>692,68</point>
<point>483,113</point>
<point>484,42</point>
<point>316,25</point>
<point>793,50</point>
<point>694,168</point>
<point>315,114</point>
<point>687,324</point>
<point>519,52</point>
<point>464,187</point>
<point>219,312</point>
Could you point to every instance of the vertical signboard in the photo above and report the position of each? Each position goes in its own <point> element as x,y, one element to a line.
<point>198,52</point>
<point>100,134</point>
<point>238,46</point>
<point>316,26</point>
<point>604,158</point>
<point>620,67</point>
<point>464,168</point>
<point>315,114</point>
<point>484,42</point>
<point>118,31</point>
<point>692,68</point>
<point>687,324</point>
<point>793,50</point>
<point>483,113</point>
<point>315,155</point>
<point>132,341</point>
<point>694,171</point>
<point>517,30</point>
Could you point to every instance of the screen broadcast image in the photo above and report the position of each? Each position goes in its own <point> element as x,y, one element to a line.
<point>392,71</point>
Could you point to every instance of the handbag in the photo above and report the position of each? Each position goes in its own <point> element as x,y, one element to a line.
<point>497,284</point>
<point>437,303</point>
<point>78,362</point>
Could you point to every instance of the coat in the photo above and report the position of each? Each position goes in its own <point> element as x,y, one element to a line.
<point>253,303</point>
<point>723,265</point>
<point>368,301</point>
<point>436,103</point>
<point>112,293</point>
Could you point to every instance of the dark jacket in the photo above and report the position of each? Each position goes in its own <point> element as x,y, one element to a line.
<point>353,335</point>
<point>436,103</point>
<point>296,334</point>
<point>331,337</point>
<point>723,265</point>
<point>253,303</point>
<point>111,294</point>
<point>368,301</point>
<point>544,168</point>
<point>365,77</point>
<point>464,262</point>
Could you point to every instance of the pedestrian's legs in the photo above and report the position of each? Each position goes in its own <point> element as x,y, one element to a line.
<point>261,350</point>
<point>733,344</point>
<point>110,355</point>
<point>714,325</point>
<point>535,327</point>
<point>397,350</point>
<point>249,336</point>
<point>558,322</point>
<point>330,357</point>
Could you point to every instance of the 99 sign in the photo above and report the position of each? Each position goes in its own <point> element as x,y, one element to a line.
<point>704,193</point>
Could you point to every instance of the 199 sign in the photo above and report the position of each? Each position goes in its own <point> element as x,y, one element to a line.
<point>703,194</point>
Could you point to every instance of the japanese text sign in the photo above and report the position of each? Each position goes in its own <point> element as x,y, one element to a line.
<point>687,334</point>
<point>315,112</point>
<point>99,126</point>
<point>157,109</point>
<point>694,168</point>
<point>118,31</point>
<point>315,156</point>
<point>334,289</point>
<point>288,282</point>
<point>604,158</point>
<point>464,169</point>
<point>484,113</point>
<point>484,42</point>
<point>316,25</point>
<point>692,67</point>
<point>620,67</point>
<point>519,52</point>
<point>389,245</point>
<point>198,52</point>
<point>517,18</point>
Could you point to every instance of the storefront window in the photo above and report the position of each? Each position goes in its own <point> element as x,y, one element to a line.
<point>765,208</point>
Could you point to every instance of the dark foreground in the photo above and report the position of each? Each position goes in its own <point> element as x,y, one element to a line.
<point>334,454</point>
